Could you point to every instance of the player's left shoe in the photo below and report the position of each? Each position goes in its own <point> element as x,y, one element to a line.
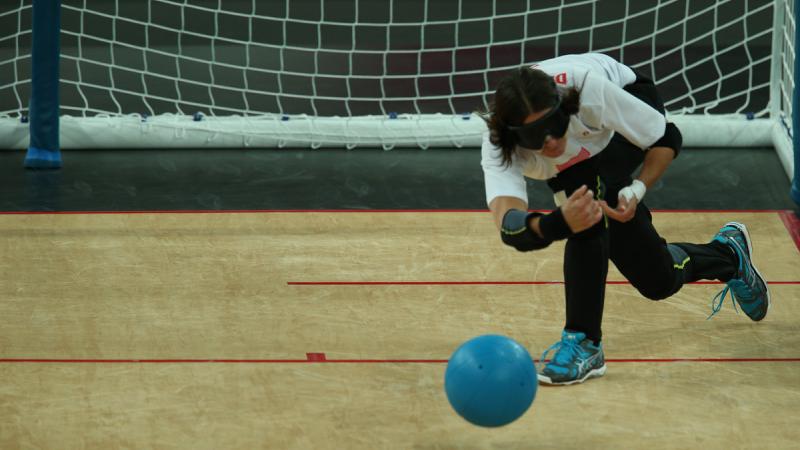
<point>576,360</point>
<point>748,287</point>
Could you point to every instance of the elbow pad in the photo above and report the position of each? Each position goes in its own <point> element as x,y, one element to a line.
<point>672,138</point>
<point>516,233</point>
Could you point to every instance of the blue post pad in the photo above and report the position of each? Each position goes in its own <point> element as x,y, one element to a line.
<point>39,158</point>
<point>44,150</point>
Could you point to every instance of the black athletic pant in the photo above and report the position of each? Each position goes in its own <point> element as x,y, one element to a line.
<point>656,269</point>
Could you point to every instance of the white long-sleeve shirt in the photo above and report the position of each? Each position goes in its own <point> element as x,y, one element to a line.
<point>605,108</point>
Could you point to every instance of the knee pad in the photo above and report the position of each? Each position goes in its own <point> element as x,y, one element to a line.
<point>668,286</point>
<point>680,260</point>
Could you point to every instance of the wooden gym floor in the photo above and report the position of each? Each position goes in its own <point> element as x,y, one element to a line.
<point>331,330</point>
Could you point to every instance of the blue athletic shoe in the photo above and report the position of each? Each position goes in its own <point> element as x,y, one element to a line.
<point>748,287</point>
<point>576,360</point>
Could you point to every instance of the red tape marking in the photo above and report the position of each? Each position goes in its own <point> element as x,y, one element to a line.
<point>316,357</point>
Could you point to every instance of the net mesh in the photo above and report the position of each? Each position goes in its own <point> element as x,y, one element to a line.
<point>268,62</point>
<point>784,65</point>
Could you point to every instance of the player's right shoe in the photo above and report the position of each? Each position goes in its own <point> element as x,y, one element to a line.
<point>748,287</point>
<point>576,360</point>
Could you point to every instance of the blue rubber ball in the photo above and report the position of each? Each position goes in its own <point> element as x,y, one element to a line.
<point>490,380</point>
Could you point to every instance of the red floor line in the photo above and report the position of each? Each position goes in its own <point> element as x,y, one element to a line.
<point>249,211</point>
<point>470,283</point>
<point>153,361</point>
<point>270,211</point>
<point>354,361</point>
<point>712,360</point>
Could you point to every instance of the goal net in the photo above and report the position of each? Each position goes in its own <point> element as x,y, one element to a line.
<point>382,73</point>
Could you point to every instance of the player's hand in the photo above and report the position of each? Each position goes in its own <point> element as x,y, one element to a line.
<point>624,211</point>
<point>581,210</point>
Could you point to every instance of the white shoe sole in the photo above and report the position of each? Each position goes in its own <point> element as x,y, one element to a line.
<point>599,372</point>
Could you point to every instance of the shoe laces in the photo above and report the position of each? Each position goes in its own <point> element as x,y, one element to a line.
<point>740,289</point>
<point>567,350</point>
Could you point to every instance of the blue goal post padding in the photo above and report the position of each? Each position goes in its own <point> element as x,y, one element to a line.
<point>44,151</point>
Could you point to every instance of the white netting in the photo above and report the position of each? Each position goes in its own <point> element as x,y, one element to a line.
<point>15,44</point>
<point>783,81</point>
<point>374,72</point>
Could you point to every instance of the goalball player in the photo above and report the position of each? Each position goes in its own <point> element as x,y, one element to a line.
<point>584,123</point>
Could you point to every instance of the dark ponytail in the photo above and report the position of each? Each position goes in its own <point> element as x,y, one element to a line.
<point>571,101</point>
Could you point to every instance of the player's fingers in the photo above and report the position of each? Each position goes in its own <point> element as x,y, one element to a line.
<point>630,211</point>
<point>606,209</point>
<point>579,192</point>
<point>598,216</point>
<point>585,199</point>
<point>623,215</point>
<point>595,213</point>
<point>615,214</point>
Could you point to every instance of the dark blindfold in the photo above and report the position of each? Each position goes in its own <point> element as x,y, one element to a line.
<point>554,124</point>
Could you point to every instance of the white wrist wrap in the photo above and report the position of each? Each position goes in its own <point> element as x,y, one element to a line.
<point>636,189</point>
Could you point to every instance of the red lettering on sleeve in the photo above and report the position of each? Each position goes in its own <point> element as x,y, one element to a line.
<point>561,78</point>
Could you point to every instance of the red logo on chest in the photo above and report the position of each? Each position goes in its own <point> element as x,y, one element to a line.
<point>561,78</point>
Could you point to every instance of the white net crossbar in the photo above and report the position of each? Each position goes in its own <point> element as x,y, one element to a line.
<point>366,73</point>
